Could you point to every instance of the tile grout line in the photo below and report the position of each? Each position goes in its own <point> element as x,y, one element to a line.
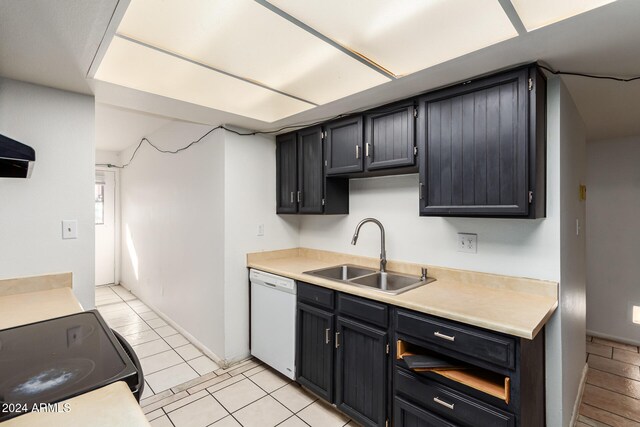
<point>607,411</point>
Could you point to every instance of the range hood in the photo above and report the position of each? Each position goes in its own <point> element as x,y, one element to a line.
<point>16,159</point>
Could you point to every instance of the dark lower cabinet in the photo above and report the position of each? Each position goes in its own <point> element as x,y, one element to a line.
<point>406,414</point>
<point>361,371</point>
<point>344,356</point>
<point>343,359</point>
<point>314,358</point>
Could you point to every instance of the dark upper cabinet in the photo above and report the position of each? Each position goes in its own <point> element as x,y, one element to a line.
<point>310,171</point>
<point>314,356</point>
<point>344,146</point>
<point>390,138</point>
<point>301,184</point>
<point>286,173</point>
<point>361,371</point>
<point>482,147</point>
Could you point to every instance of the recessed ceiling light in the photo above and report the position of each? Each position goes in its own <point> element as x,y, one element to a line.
<point>540,13</point>
<point>245,39</point>
<point>405,36</point>
<point>132,65</point>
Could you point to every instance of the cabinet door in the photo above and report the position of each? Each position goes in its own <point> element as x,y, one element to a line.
<point>315,350</point>
<point>361,372</point>
<point>286,173</point>
<point>390,138</point>
<point>310,171</point>
<point>473,152</point>
<point>344,146</point>
<point>406,414</point>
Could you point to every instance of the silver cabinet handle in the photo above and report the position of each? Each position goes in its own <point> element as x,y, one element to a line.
<point>444,337</point>
<point>292,197</point>
<point>357,151</point>
<point>443,403</point>
<point>326,336</point>
<point>420,187</point>
<point>299,195</point>
<point>367,147</point>
<point>337,339</point>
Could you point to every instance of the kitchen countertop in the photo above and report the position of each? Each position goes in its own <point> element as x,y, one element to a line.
<point>515,306</point>
<point>27,300</point>
<point>109,406</point>
<point>20,309</point>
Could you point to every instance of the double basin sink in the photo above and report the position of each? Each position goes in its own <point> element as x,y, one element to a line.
<point>391,283</point>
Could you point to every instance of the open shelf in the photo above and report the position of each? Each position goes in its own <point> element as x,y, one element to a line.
<point>488,382</point>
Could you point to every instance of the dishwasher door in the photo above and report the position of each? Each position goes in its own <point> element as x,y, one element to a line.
<point>273,321</point>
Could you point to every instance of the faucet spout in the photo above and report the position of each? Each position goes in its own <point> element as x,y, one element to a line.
<point>383,252</point>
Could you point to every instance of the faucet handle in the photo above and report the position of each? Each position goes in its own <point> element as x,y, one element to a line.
<point>423,276</point>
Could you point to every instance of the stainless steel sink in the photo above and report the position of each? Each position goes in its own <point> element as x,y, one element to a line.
<point>392,283</point>
<point>342,272</point>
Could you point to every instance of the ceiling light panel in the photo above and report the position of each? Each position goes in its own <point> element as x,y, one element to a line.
<point>405,36</point>
<point>540,13</point>
<point>131,65</point>
<point>246,39</point>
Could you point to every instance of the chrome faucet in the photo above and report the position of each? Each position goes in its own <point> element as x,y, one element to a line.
<point>383,252</point>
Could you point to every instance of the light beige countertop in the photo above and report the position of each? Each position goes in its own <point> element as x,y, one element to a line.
<point>32,299</point>
<point>109,406</point>
<point>20,309</point>
<point>512,305</point>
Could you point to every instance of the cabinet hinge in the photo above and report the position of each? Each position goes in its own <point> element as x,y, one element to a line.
<point>530,84</point>
<point>530,196</point>
<point>415,112</point>
<point>415,150</point>
<point>387,348</point>
<point>322,202</point>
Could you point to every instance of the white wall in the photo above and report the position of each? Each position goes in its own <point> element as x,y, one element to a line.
<point>572,251</point>
<point>106,157</point>
<point>172,209</point>
<point>192,218</point>
<point>59,125</point>
<point>613,210</point>
<point>250,188</point>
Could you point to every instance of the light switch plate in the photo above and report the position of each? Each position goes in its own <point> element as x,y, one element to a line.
<point>468,242</point>
<point>70,229</point>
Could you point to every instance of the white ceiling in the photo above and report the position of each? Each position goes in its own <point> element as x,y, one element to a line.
<point>53,43</point>
<point>117,128</point>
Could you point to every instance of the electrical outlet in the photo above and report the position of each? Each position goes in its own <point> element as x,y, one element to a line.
<point>69,229</point>
<point>260,229</point>
<point>467,243</point>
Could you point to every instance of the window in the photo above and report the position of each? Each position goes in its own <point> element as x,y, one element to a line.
<point>99,203</point>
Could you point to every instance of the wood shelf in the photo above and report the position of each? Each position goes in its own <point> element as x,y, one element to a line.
<point>488,382</point>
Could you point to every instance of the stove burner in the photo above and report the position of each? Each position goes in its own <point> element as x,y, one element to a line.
<point>48,378</point>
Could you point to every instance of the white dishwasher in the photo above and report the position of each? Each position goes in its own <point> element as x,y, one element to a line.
<point>273,321</point>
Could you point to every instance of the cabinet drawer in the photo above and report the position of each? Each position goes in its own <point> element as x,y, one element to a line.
<point>483,345</point>
<point>450,404</point>
<point>406,414</point>
<point>315,295</point>
<point>363,309</point>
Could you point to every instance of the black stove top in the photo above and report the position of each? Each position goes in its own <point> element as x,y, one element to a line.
<point>56,359</point>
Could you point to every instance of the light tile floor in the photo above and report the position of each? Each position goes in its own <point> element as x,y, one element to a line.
<point>184,388</point>
<point>612,391</point>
